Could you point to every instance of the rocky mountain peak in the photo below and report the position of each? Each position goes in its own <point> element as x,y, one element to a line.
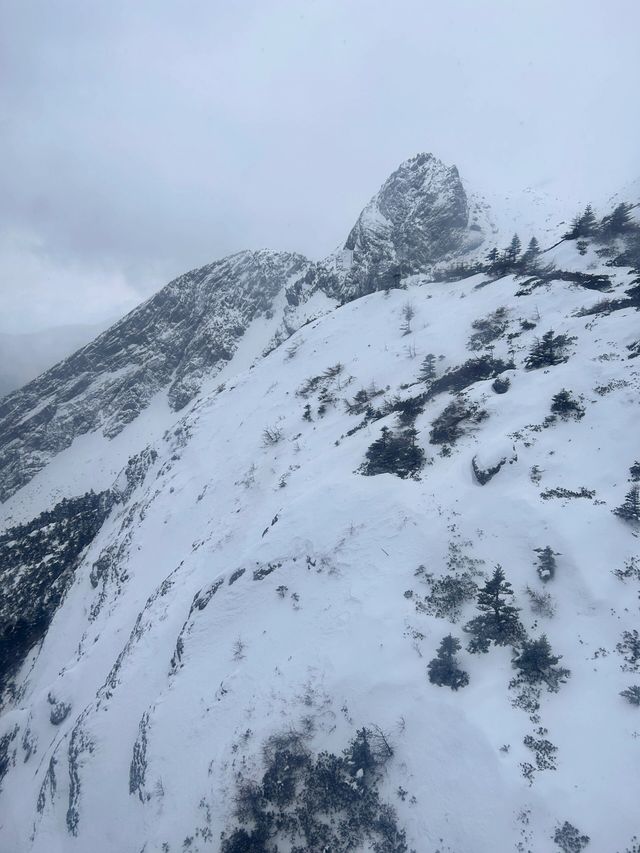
<point>419,216</point>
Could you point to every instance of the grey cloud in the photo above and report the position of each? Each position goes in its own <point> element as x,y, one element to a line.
<point>138,140</point>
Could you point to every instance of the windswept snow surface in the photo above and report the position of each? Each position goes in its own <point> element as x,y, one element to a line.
<point>259,586</point>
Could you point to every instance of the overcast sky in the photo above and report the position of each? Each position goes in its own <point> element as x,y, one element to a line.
<point>141,139</point>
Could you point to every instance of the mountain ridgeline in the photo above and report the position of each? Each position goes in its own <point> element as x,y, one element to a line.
<point>191,328</point>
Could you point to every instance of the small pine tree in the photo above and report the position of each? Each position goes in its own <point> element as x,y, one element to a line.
<point>588,222</point>
<point>574,229</point>
<point>530,257</point>
<point>629,510</point>
<point>498,621</point>
<point>548,351</point>
<point>632,694</point>
<point>635,472</point>
<point>443,669</point>
<point>394,454</point>
<point>618,222</point>
<point>408,313</point>
<point>306,415</point>
<point>492,258</point>
<point>514,249</point>
<point>564,404</point>
<point>546,567</point>
<point>537,664</point>
<point>582,225</point>
<point>428,368</point>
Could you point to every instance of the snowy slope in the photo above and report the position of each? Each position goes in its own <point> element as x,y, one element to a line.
<point>250,580</point>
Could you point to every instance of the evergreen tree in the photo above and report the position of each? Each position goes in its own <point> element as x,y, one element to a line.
<point>635,472</point>
<point>531,255</point>
<point>443,669</point>
<point>498,621</point>
<point>618,222</point>
<point>548,351</point>
<point>582,225</point>
<point>632,694</point>
<point>588,222</point>
<point>546,563</point>
<point>492,258</point>
<point>537,664</point>
<point>564,404</point>
<point>630,508</point>
<point>514,249</point>
<point>574,229</point>
<point>394,454</point>
<point>428,368</point>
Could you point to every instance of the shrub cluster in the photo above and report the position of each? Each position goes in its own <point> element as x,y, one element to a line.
<point>316,802</point>
<point>394,453</point>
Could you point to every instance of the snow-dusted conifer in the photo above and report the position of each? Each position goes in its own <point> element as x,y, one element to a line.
<point>537,664</point>
<point>498,621</point>
<point>443,669</point>
<point>629,510</point>
<point>546,563</point>
<point>428,368</point>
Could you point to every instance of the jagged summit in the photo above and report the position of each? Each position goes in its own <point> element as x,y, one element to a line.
<point>192,327</point>
<point>420,216</point>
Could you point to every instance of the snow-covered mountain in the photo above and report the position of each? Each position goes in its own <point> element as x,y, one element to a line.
<point>240,523</point>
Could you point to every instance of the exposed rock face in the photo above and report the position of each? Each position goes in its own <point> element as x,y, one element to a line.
<point>483,475</point>
<point>186,332</point>
<point>419,216</point>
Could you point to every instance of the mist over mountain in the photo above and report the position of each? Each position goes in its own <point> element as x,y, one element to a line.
<point>340,554</point>
<point>25,356</point>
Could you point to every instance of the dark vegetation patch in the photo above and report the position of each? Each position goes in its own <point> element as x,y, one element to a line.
<point>498,621</point>
<point>447,594</point>
<point>547,564</point>
<point>501,384</point>
<point>629,649</point>
<point>362,400</point>
<point>608,306</point>
<point>452,421</point>
<point>488,329</point>
<point>629,509</point>
<point>316,802</point>
<point>265,570</point>
<point>569,839</point>
<point>565,405</point>
<point>538,665</point>
<point>394,453</point>
<point>37,563</point>
<point>560,492</point>
<point>474,370</point>
<point>444,669</point>
<point>548,351</point>
<point>583,279</point>
<point>484,475</point>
